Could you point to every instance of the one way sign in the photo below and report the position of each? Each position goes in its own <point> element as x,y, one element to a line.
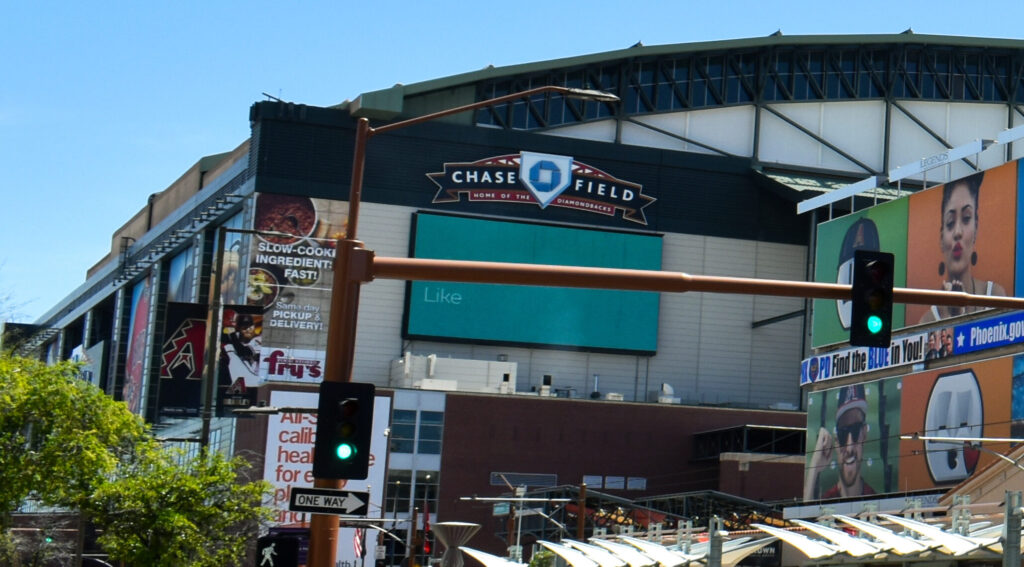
<point>328,501</point>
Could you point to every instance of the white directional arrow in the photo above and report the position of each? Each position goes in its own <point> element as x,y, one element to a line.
<point>328,501</point>
<point>351,502</point>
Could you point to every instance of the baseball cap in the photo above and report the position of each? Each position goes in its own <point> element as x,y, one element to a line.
<point>852,397</point>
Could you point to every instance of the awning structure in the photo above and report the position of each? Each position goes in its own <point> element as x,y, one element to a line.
<point>838,539</point>
<point>622,550</point>
<point>488,560</point>
<point>599,555</point>
<point>799,187</point>
<point>572,556</point>
<point>891,539</point>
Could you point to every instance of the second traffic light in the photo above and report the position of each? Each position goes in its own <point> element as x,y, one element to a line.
<point>344,427</point>
<point>871,299</point>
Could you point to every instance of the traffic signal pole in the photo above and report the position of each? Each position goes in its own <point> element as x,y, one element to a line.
<point>644,280</point>
<point>341,341</point>
<point>350,267</point>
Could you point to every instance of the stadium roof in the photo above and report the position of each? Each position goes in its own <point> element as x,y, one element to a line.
<point>380,100</point>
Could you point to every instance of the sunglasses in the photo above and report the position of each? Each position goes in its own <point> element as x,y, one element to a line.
<point>849,433</point>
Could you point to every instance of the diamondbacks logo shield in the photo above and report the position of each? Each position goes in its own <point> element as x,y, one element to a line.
<point>545,175</point>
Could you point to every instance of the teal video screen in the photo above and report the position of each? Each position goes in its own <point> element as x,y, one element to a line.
<point>584,319</point>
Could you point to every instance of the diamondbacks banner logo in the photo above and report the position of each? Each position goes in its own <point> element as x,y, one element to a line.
<point>543,180</point>
<point>182,359</point>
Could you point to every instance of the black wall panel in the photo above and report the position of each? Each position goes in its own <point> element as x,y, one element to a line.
<point>309,150</point>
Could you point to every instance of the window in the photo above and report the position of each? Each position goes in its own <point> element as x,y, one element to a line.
<point>636,483</point>
<point>399,488</point>
<point>416,431</point>
<point>615,482</point>
<point>431,427</point>
<point>403,431</point>
<point>426,491</point>
<point>407,489</point>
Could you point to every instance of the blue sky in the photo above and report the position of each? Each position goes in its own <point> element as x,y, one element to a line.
<point>104,103</point>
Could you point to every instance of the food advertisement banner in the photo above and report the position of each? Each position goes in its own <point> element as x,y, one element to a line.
<point>288,463</point>
<point>289,280</point>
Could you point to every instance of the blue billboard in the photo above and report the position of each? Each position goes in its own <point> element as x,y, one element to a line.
<point>585,319</point>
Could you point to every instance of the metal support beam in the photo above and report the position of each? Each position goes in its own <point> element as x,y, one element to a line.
<point>1011,541</point>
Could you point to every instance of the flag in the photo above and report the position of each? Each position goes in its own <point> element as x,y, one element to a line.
<point>427,547</point>
<point>357,542</point>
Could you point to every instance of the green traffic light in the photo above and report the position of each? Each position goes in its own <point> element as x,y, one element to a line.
<point>345,451</point>
<point>874,324</point>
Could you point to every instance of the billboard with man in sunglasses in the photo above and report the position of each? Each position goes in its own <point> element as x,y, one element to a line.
<point>846,454</point>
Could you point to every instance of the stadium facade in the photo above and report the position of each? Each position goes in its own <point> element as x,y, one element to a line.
<point>698,168</point>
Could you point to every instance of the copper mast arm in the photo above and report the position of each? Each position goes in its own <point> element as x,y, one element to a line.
<point>644,280</point>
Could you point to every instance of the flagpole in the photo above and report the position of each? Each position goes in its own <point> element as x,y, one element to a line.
<point>426,519</point>
<point>361,534</point>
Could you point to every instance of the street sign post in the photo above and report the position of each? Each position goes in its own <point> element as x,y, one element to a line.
<point>328,501</point>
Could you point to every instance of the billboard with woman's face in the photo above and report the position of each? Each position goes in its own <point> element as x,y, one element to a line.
<point>961,237</point>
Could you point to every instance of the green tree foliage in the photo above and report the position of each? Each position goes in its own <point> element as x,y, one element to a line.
<point>542,558</point>
<point>172,511</point>
<point>60,437</point>
<point>65,443</point>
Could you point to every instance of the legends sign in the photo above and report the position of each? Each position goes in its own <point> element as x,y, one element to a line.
<point>543,180</point>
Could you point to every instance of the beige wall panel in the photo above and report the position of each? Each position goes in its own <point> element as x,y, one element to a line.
<point>857,128</point>
<point>603,131</point>
<point>707,350</point>
<point>639,135</point>
<point>782,143</point>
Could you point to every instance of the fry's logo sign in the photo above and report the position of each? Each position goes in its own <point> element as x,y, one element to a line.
<point>543,180</point>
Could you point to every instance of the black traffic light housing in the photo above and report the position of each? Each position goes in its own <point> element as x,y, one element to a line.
<point>344,427</point>
<point>871,299</point>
